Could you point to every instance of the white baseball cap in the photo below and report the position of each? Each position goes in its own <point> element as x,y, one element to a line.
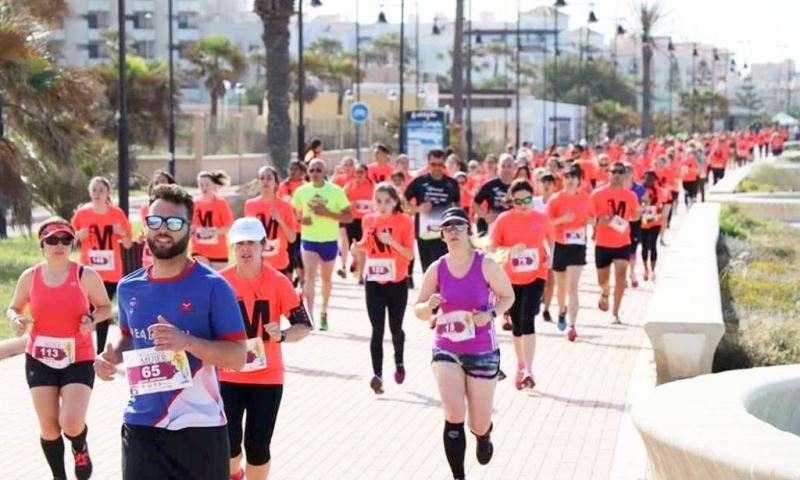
<point>248,229</point>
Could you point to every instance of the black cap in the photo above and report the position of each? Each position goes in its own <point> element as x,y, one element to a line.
<point>574,171</point>
<point>455,214</point>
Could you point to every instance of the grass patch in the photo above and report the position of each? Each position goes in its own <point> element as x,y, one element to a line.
<point>759,263</point>
<point>16,254</point>
<point>767,178</point>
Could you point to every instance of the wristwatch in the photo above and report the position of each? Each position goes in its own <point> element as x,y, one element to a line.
<point>283,336</point>
<point>493,313</point>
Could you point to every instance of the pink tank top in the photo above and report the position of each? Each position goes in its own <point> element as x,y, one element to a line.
<point>57,312</point>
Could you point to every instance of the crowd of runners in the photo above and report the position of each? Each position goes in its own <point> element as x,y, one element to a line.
<point>201,333</point>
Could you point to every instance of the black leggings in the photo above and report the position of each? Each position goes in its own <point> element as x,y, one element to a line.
<point>430,251</point>
<point>391,297</point>
<point>650,244</point>
<point>261,403</point>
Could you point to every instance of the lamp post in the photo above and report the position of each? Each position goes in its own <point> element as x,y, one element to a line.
<point>469,83</point>
<point>171,99</point>
<point>123,167</point>
<point>558,4</point>
<point>592,19</point>
<point>694,89</point>
<point>517,80</point>
<point>620,32</point>
<point>672,61</point>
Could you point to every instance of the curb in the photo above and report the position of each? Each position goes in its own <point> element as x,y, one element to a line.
<point>12,346</point>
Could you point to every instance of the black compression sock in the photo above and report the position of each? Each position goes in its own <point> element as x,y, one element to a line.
<point>79,442</point>
<point>54,453</point>
<point>455,444</point>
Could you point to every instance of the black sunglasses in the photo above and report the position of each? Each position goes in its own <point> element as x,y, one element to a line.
<point>174,224</point>
<point>618,172</point>
<point>315,170</point>
<point>65,240</point>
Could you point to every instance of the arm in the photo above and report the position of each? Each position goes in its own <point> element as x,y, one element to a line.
<point>105,365</point>
<point>125,232</point>
<point>389,240</point>
<point>428,300</point>
<point>298,317</point>
<point>95,291</point>
<point>15,314</point>
<point>222,353</point>
<point>500,285</point>
<point>344,216</point>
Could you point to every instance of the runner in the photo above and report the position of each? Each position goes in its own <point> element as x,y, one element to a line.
<point>381,169</point>
<point>491,199</point>
<point>297,178</point>
<point>547,187</point>
<point>655,208</point>
<point>636,225</point>
<point>615,207</point>
<point>323,206</point>
<point>101,227</point>
<point>159,177</point>
<point>264,297</point>
<point>690,171</point>
<point>471,290</point>
<point>359,192</point>
<point>465,194</point>
<point>345,171</point>
<point>59,353</point>
<point>569,211</point>
<point>525,235</point>
<point>433,193</point>
<point>212,219</point>
<point>313,151</point>
<point>277,218</point>
<point>388,246</point>
<point>179,321</point>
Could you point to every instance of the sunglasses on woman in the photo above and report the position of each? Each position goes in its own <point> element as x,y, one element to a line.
<point>523,201</point>
<point>455,227</point>
<point>174,224</point>
<point>65,240</point>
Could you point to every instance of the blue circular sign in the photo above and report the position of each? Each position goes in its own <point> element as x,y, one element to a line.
<point>359,112</point>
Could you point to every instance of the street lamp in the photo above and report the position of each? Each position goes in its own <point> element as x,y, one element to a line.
<point>592,19</point>
<point>171,99</point>
<point>672,62</point>
<point>620,32</point>
<point>301,80</point>
<point>123,168</point>
<point>694,89</point>
<point>558,4</point>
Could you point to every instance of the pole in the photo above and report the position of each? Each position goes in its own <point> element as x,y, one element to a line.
<point>517,100</point>
<point>694,90</point>
<point>301,80</point>
<point>505,83</point>
<point>671,81</point>
<point>555,79</point>
<point>416,53</point>
<point>358,81</point>
<point>469,83</point>
<point>2,124</point>
<point>171,126</point>
<point>544,90</point>
<point>713,94</point>
<point>586,91</point>
<point>122,124</point>
<point>401,136</point>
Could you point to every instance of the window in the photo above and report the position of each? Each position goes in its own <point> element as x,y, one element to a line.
<point>145,49</point>
<point>187,20</point>
<point>94,50</point>
<point>143,20</point>
<point>93,21</point>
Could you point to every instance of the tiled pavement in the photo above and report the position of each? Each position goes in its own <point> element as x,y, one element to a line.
<point>331,425</point>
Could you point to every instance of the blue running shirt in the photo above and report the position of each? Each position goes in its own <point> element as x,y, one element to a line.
<point>199,302</point>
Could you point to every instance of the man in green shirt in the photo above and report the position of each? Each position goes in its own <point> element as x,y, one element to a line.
<point>322,206</point>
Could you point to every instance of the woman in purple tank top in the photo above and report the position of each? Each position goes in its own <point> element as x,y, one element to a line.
<point>464,291</point>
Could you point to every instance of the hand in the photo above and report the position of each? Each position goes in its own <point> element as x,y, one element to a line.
<point>87,325</point>
<point>166,336</point>
<point>481,318</point>
<point>320,209</point>
<point>105,365</point>
<point>82,233</point>
<point>386,238</point>
<point>305,221</point>
<point>604,220</point>
<point>435,301</point>
<point>19,324</point>
<point>274,331</point>
<point>426,207</point>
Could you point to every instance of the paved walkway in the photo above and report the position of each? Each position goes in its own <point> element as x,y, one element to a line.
<point>331,426</point>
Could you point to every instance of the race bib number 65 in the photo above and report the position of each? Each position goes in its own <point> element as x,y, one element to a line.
<point>149,371</point>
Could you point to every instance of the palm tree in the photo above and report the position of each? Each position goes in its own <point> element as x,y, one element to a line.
<point>327,60</point>
<point>649,16</point>
<point>216,59</point>
<point>275,16</point>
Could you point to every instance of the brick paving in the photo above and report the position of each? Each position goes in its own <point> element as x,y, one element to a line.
<point>331,425</point>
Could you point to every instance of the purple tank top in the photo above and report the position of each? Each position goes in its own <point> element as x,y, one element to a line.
<point>471,292</point>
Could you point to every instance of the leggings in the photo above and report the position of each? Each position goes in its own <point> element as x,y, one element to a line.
<point>650,244</point>
<point>430,251</point>
<point>261,404</point>
<point>391,297</point>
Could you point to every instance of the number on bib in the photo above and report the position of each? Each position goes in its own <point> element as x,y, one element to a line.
<point>525,261</point>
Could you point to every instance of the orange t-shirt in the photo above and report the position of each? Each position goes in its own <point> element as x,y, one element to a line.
<point>614,202</point>
<point>277,252</point>
<point>261,301</point>
<point>101,249</point>
<point>287,187</point>
<point>535,231</point>
<point>214,213</point>
<point>341,179</point>
<point>580,206</point>
<point>402,229</point>
<point>690,170</point>
<point>380,173</point>
<point>360,196</point>
<point>653,202</point>
<point>589,168</point>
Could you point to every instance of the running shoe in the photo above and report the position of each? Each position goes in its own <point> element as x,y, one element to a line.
<point>399,375</point>
<point>653,276</point>
<point>634,282</point>
<point>646,275</point>
<point>602,304</point>
<point>572,334</point>
<point>527,380</point>
<point>376,384</point>
<point>484,449</point>
<point>83,464</point>
<point>341,273</point>
<point>238,475</point>
<point>562,320</point>
<point>546,316</point>
<point>507,322</point>
<point>323,321</point>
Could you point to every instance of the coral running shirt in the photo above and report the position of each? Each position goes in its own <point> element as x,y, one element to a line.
<point>262,301</point>
<point>579,204</point>
<point>532,229</point>
<point>199,302</point>
<point>621,206</point>
<point>101,249</point>
<point>401,227</point>
<point>211,213</point>
<point>276,253</point>
<point>378,173</point>
<point>360,196</point>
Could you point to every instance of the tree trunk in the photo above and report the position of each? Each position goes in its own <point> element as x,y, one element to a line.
<point>458,63</point>
<point>647,87</point>
<point>275,18</point>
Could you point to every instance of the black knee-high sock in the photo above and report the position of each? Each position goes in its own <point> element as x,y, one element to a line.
<point>455,444</point>
<point>54,453</point>
<point>79,442</point>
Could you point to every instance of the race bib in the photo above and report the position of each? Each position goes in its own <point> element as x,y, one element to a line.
<point>149,371</point>
<point>619,224</point>
<point>575,237</point>
<point>525,261</point>
<point>649,214</point>
<point>363,206</point>
<point>380,270</point>
<point>456,326</point>
<point>102,260</point>
<point>256,356</point>
<point>54,352</point>
<point>430,226</point>
<point>272,248</point>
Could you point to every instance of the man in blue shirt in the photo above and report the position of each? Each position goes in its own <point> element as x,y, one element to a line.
<point>179,321</point>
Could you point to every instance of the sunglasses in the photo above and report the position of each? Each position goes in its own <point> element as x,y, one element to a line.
<point>618,172</point>
<point>65,240</point>
<point>523,201</point>
<point>174,224</point>
<point>315,170</point>
<point>455,227</point>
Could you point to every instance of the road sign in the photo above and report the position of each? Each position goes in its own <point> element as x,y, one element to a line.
<point>424,130</point>
<point>359,112</point>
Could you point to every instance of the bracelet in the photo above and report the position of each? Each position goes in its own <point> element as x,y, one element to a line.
<point>283,336</point>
